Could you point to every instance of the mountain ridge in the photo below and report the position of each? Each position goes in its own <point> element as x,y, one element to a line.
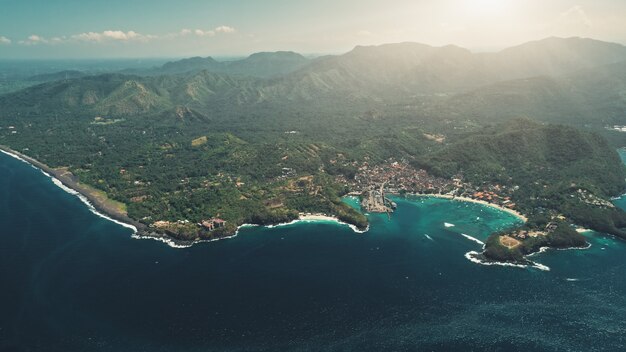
<point>446,79</point>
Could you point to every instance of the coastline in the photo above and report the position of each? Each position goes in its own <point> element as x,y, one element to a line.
<point>309,218</point>
<point>304,218</point>
<point>61,179</point>
<point>478,257</point>
<point>70,185</point>
<point>140,231</point>
<point>475,257</point>
<point>471,200</point>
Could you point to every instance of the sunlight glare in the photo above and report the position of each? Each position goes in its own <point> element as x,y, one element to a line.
<point>488,7</point>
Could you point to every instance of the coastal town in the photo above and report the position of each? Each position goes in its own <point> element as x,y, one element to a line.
<point>372,183</point>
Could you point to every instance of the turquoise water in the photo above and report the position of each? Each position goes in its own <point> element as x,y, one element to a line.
<point>72,281</point>
<point>621,202</point>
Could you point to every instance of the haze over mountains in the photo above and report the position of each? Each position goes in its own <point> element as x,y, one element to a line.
<point>568,80</point>
<point>240,136</point>
<point>262,65</point>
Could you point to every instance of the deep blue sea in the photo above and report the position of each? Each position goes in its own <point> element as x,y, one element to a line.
<point>72,281</point>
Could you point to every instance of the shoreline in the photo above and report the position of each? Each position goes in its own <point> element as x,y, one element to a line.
<point>72,186</point>
<point>309,218</point>
<point>479,258</point>
<point>304,218</point>
<point>476,201</point>
<point>474,257</point>
<point>320,217</point>
<point>99,208</point>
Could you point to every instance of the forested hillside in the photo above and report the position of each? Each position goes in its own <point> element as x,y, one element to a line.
<point>264,138</point>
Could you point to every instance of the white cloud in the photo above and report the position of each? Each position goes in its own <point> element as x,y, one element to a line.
<point>34,40</point>
<point>88,37</point>
<point>201,33</point>
<point>364,33</point>
<point>209,33</point>
<point>110,35</point>
<point>575,15</point>
<point>4,40</point>
<point>225,29</point>
<point>117,36</point>
<point>57,40</point>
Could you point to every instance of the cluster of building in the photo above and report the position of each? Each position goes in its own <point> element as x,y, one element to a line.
<point>287,172</point>
<point>397,177</point>
<point>162,224</point>
<point>212,223</point>
<point>524,234</point>
<point>374,201</point>
<point>591,199</point>
<point>494,196</point>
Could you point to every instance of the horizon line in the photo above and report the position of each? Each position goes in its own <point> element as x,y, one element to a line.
<point>474,50</point>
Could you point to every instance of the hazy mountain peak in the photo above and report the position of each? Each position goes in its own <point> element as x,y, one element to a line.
<point>190,64</point>
<point>557,56</point>
<point>277,54</point>
<point>578,44</point>
<point>263,64</point>
<point>394,47</point>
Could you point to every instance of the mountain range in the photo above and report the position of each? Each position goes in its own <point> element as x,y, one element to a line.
<point>572,80</point>
<point>262,139</point>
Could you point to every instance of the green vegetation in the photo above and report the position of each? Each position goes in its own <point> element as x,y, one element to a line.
<point>564,236</point>
<point>189,142</point>
<point>547,164</point>
<point>557,172</point>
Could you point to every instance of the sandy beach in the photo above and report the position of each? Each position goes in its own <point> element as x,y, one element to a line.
<point>306,217</point>
<point>317,217</point>
<point>471,200</point>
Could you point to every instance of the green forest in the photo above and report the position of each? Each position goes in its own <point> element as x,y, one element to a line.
<point>183,144</point>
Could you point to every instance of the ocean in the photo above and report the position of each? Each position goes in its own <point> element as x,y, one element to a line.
<point>73,281</point>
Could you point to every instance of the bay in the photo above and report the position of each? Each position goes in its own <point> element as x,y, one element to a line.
<point>72,281</point>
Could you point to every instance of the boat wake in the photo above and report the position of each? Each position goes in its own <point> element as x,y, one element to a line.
<point>473,239</point>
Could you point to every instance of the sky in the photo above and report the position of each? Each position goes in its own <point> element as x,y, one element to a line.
<point>54,29</point>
